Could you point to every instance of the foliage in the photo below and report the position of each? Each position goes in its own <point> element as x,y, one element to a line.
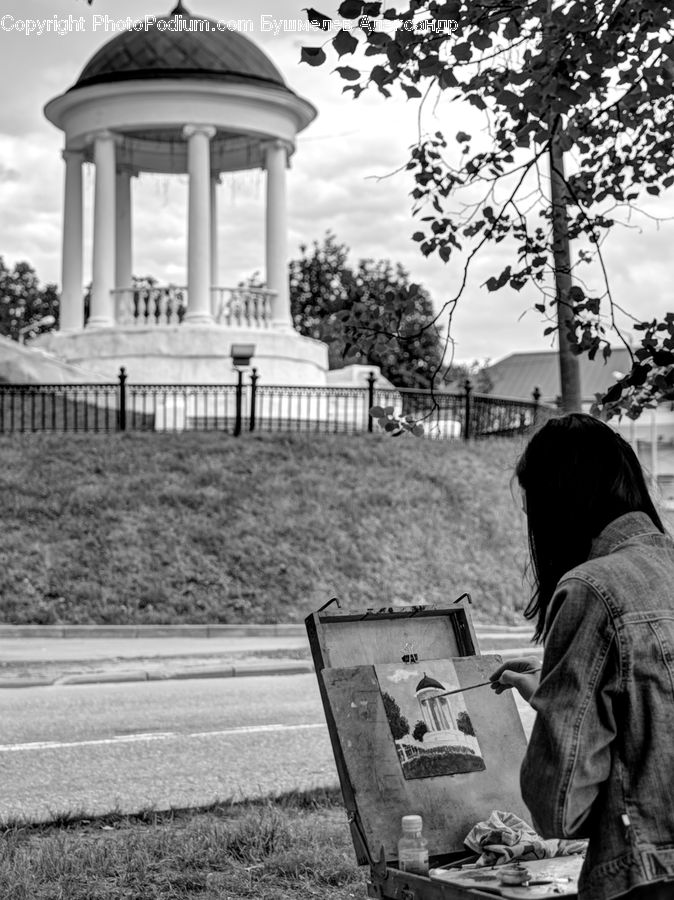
<point>420,730</point>
<point>464,724</point>
<point>396,720</point>
<point>368,314</point>
<point>23,301</point>
<point>594,80</point>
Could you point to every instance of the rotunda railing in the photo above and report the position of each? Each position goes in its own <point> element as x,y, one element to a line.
<point>167,305</point>
<point>242,306</point>
<point>150,305</point>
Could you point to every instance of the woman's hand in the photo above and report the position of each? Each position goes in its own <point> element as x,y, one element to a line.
<point>522,674</point>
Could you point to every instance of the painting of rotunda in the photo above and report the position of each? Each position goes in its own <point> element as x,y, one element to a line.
<point>195,101</point>
<point>430,725</point>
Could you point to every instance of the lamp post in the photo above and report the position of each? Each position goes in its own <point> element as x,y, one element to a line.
<point>45,320</point>
<point>241,356</point>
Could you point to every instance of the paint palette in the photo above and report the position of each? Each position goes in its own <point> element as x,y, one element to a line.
<point>556,877</point>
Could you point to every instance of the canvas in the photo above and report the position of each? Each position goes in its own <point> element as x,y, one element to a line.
<point>433,732</point>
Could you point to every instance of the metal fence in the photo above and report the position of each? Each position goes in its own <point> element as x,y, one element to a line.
<point>258,407</point>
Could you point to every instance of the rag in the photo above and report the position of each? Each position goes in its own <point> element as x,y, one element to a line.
<point>504,837</point>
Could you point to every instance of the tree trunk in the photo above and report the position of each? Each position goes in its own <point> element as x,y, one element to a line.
<point>569,370</point>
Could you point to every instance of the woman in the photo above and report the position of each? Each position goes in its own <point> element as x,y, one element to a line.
<point>600,761</point>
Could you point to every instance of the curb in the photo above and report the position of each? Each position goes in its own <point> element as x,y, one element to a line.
<point>149,631</point>
<point>292,667</point>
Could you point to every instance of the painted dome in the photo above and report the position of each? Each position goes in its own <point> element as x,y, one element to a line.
<point>181,53</point>
<point>427,683</point>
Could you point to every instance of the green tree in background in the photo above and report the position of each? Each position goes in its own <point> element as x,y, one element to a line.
<point>371,313</point>
<point>24,301</point>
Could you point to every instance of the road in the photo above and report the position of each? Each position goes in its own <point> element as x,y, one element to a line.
<point>95,748</point>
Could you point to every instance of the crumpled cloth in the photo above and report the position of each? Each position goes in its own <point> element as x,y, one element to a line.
<point>504,837</point>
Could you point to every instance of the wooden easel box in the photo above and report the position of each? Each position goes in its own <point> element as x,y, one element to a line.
<point>345,648</point>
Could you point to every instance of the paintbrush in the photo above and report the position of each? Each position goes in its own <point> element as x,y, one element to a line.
<point>471,687</point>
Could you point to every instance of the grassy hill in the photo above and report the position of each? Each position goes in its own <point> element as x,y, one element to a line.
<point>148,528</point>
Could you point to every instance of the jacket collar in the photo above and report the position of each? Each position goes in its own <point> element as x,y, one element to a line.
<point>621,530</point>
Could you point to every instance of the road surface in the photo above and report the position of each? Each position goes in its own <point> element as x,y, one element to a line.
<point>96,748</point>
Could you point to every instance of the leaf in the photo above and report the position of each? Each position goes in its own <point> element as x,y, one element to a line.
<point>418,431</point>
<point>389,410</point>
<point>613,393</point>
<point>462,137</point>
<point>315,16</point>
<point>315,56</point>
<point>411,91</point>
<point>372,9</point>
<point>350,9</point>
<point>377,412</point>
<point>344,42</point>
<point>348,73</point>
<point>379,75</point>
<point>418,236</point>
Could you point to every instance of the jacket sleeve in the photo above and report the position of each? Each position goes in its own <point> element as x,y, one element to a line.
<point>569,753</point>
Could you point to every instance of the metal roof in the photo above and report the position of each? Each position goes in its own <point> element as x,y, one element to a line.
<point>154,53</point>
<point>518,374</point>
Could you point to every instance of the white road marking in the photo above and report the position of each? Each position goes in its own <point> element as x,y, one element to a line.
<point>154,736</point>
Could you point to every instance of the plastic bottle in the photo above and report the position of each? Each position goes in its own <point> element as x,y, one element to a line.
<point>413,847</point>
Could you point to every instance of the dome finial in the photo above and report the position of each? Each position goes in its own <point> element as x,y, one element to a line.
<point>179,9</point>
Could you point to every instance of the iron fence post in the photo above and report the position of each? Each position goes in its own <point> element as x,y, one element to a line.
<point>122,399</point>
<point>253,394</point>
<point>239,394</point>
<point>537,400</point>
<point>371,378</point>
<point>468,387</point>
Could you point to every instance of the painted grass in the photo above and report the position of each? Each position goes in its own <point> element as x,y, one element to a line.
<point>295,847</point>
<point>185,528</point>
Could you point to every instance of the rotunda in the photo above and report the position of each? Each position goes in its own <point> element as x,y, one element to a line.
<point>183,96</point>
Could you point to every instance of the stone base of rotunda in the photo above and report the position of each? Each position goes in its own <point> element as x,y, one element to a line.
<point>190,354</point>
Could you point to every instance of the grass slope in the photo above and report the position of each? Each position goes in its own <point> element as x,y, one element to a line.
<point>147,528</point>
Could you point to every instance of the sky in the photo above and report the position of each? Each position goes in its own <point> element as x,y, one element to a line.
<point>347,176</point>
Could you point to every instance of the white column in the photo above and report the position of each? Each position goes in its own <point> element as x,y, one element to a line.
<point>123,240</point>
<point>71,316</point>
<point>277,233</point>
<point>215,274</point>
<point>199,224</point>
<point>101,314</point>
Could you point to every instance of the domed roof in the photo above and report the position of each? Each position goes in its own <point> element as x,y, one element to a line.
<point>427,682</point>
<point>205,52</point>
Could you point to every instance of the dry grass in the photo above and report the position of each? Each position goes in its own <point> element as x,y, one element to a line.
<point>147,528</point>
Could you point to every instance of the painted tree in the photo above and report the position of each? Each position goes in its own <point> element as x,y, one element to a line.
<point>420,730</point>
<point>370,313</point>
<point>464,724</point>
<point>396,720</point>
<point>589,81</point>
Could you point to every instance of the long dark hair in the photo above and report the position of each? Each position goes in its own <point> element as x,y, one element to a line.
<point>577,474</point>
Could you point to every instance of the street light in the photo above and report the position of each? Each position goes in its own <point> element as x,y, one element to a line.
<point>45,320</point>
<point>241,356</point>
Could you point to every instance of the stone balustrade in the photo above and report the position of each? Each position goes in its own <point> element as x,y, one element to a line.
<point>145,305</point>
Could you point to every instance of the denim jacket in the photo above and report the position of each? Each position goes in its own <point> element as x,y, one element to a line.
<point>600,762</point>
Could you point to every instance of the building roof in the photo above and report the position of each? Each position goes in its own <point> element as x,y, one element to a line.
<point>155,53</point>
<point>518,374</point>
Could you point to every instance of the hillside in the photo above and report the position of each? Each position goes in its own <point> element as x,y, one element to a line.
<point>151,528</point>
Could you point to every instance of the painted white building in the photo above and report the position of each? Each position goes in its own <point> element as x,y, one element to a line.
<point>177,100</point>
